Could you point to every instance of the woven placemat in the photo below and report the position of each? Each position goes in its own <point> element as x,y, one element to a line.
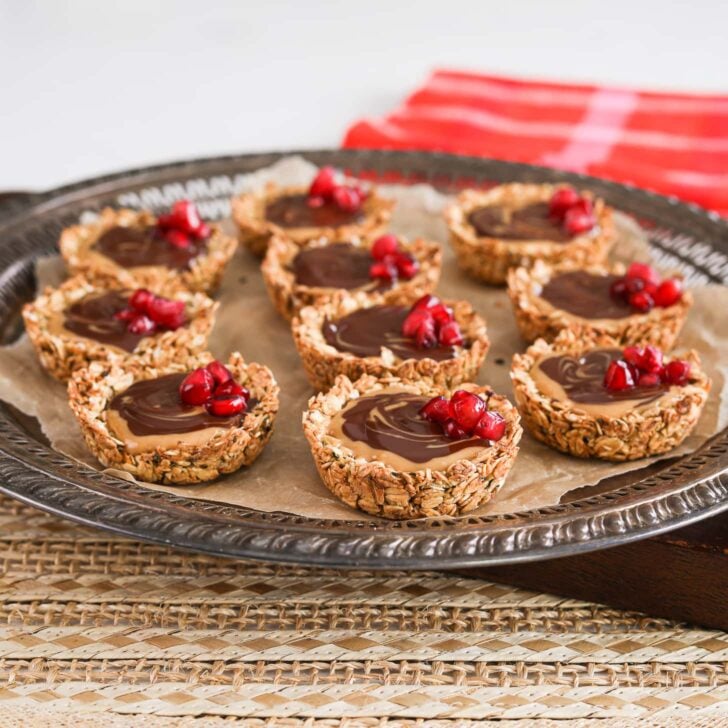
<point>97,630</point>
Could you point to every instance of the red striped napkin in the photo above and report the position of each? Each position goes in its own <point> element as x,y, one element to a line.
<point>672,143</point>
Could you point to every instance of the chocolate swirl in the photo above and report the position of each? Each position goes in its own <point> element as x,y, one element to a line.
<point>93,318</point>
<point>153,407</point>
<point>135,247</point>
<point>583,379</point>
<point>531,222</point>
<point>340,265</point>
<point>293,211</point>
<point>392,422</point>
<point>366,331</point>
<point>586,295</point>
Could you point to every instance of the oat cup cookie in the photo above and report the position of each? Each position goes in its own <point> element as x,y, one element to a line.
<point>587,396</point>
<point>178,424</point>
<point>547,299</point>
<point>515,224</point>
<point>375,451</point>
<point>138,250</point>
<point>80,323</point>
<point>328,208</point>
<point>356,335</point>
<point>296,277</point>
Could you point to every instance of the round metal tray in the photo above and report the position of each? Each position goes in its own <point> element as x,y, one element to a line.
<point>655,499</point>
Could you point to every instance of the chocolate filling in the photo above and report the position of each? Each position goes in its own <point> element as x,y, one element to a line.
<point>293,211</point>
<point>366,331</point>
<point>340,265</point>
<point>583,379</point>
<point>135,247</point>
<point>531,222</point>
<point>153,407</point>
<point>392,422</point>
<point>586,295</point>
<point>93,318</point>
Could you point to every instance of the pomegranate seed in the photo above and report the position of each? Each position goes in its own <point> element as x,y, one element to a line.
<point>165,222</point>
<point>651,360</point>
<point>203,231</point>
<point>618,290</point>
<point>141,324</point>
<point>436,410</point>
<point>425,336</point>
<point>347,198</point>
<point>676,372</point>
<point>441,313</point>
<point>226,405</point>
<point>450,334</point>
<point>126,314</point>
<point>467,409</point>
<point>220,373</point>
<point>648,380</point>
<point>323,184</point>
<point>384,246</point>
<point>491,426</point>
<point>407,266</point>
<point>454,431</point>
<point>413,322</point>
<point>618,376</point>
<point>426,301</point>
<point>384,270</point>
<point>577,221</point>
<point>315,202</point>
<point>633,355</point>
<point>231,387</point>
<point>668,293</point>
<point>140,299</point>
<point>185,216</point>
<point>641,301</point>
<point>633,285</point>
<point>177,238</point>
<point>167,313</point>
<point>561,201</point>
<point>196,387</point>
<point>644,272</point>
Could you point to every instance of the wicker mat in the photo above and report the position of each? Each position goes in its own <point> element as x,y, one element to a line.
<point>102,631</point>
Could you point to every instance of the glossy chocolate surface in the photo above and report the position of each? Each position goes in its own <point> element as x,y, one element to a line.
<point>586,295</point>
<point>366,331</point>
<point>340,265</point>
<point>392,422</point>
<point>134,247</point>
<point>293,211</point>
<point>531,222</point>
<point>153,407</point>
<point>583,379</point>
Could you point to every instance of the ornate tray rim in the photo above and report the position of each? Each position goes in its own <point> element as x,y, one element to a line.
<point>693,488</point>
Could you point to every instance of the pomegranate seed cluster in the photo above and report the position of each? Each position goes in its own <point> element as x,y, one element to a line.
<point>572,210</point>
<point>465,415</point>
<point>214,388</point>
<point>390,261</point>
<point>643,289</point>
<point>326,188</point>
<point>147,313</point>
<point>430,322</point>
<point>183,225</point>
<point>644,367</point>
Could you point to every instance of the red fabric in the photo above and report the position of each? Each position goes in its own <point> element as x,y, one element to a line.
<point>672,143</point>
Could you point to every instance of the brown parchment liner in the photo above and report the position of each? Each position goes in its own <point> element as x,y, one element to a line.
<point>255,230</point>
<point>323,362</point>
<point>649,429</point>
<point>379,489</point>
<point>62,353</point>
<point>284,478</point>
<point>91,390</point>
<point>289,297</point>
<point>205,270</point>
<point>489,259</point>
<point>537,318</point>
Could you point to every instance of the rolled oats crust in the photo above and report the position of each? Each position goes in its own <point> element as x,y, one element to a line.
<point>323,362</point>
<point>63,353</point>
<point>91,390</point>
<point>381,490</point>
<point>652,429</point>
<point>255,231</point>
<point>489,259</point>
<point>204,275</point>
<point>289,297</point>
<point>537,318</point>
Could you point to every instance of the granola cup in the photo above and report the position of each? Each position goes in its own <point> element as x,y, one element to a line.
<point>290,297</point>
<point>651,429</point>
<point>204,275</point>
<point>90,392</point>
<point>489,259</point>
<point>537,318</point>
<point>379,489</point>
<point>255,231</point>
<point>323,362</point>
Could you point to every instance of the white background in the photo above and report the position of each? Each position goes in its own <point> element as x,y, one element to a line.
<point>91,87</point>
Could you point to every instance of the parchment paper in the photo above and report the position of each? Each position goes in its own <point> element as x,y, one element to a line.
<point>284,478</point>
